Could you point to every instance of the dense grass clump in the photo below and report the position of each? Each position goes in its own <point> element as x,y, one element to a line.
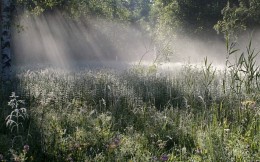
<point>196,114</point>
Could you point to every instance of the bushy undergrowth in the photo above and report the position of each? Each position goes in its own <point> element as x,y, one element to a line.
<point>196,114</point>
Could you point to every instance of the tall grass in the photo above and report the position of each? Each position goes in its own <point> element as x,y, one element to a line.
<point>195,114</point>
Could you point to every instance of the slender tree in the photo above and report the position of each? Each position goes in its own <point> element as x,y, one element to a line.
<point>5,39</point>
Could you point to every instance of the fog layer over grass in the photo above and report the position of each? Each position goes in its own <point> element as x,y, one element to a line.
<point>56,40</point>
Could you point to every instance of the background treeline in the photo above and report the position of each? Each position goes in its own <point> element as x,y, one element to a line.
<point>195,17</point>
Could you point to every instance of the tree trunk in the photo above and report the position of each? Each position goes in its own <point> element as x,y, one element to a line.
<point>5,39</point>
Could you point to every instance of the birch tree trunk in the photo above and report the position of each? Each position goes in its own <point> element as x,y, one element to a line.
<point>5,40</point>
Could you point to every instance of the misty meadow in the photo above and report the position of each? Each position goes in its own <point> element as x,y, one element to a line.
<point>130,81</point>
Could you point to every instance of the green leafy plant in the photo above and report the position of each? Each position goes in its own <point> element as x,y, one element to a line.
<point>17,115</point>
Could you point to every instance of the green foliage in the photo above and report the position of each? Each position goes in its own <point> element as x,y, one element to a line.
<point>14,119</point>
<point>192,17</point>
<point>163,14</point>
<point>199,15</point>
<point>244,71</point>
<point>132,11</point>
<point>237,17</point>
<point>187,16</point>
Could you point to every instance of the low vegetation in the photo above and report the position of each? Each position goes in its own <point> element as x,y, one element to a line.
<point>195,114</point>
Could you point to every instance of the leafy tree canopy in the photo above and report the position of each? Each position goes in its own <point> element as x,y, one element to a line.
<point>187,16</point>
<point>238,16</point>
